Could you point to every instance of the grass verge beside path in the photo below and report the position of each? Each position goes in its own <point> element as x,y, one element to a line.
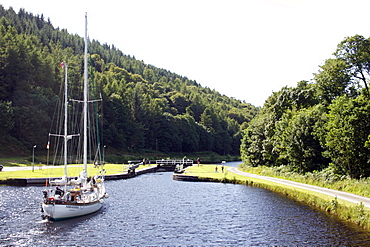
<point>325,178</point>
<point>350,212</point>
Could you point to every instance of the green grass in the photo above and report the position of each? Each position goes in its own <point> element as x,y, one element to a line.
<point>16,161</point>
<point>208,171</point>
<point>41,172</point>
<point>325,178</point>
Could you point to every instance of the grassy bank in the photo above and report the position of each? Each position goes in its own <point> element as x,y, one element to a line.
<point>325,178</point>
<point>350,212</point>
<point>15,161</point>
<point>58,171</point>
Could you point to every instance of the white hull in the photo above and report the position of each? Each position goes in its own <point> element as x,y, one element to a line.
<point>64,211</point>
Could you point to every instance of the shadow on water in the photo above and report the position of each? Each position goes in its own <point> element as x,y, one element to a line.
<point>62,232</point>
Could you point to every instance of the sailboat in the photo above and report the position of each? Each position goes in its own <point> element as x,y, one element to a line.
<point>73,197</point>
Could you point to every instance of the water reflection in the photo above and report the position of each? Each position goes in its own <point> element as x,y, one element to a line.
<point>153,209</point>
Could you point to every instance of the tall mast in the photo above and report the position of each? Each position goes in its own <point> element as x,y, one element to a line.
<point>65,118</point>
<point>85,100</point>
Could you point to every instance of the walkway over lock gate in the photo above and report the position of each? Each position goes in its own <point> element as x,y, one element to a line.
<point>184,162</point>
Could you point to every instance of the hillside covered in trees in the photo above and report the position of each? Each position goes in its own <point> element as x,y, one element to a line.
<point>319,126</point>
<point>144,107</point>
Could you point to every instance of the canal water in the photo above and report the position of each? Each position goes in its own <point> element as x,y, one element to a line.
<point>154,210</point>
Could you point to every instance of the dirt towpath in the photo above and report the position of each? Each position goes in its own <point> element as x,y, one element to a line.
<point>334,193</point>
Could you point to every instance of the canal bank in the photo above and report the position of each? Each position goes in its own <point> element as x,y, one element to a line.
<point>42,181</point>
<point>22,176</point>
<point>349,207</point>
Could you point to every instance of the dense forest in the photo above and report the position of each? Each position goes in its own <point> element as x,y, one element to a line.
<point>318,126</point>
<point>143,107</point>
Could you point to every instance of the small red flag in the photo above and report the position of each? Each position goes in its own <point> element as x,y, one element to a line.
<point>61,64</point>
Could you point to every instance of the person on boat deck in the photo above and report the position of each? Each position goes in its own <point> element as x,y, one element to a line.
<point>59,191</point>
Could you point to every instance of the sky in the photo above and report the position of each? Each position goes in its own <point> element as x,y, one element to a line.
<point>245,49</point>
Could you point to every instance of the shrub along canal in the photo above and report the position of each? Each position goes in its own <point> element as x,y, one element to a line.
<point>153,209</point>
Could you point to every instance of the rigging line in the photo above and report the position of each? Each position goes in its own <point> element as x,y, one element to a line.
<point>56,123</point>
<point>93,88</point>
<point>56,109</point>
<point>74,127</point>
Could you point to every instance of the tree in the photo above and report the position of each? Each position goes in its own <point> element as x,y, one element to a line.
<point>348,129</point>
<point>6,117</point>
<point>187,133</point>
<point>206,119</point>
<point>333,80</point>
<point>296,142</point>
<point>355,51</point>
<point>168,136</point>
<point>179,102</point>
<point>149,75</point>
<point>9,61</point>
<point>116,122</point>
<point>256,148</point>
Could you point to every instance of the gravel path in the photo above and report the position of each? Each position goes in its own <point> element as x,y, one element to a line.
<point>339,194</point>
